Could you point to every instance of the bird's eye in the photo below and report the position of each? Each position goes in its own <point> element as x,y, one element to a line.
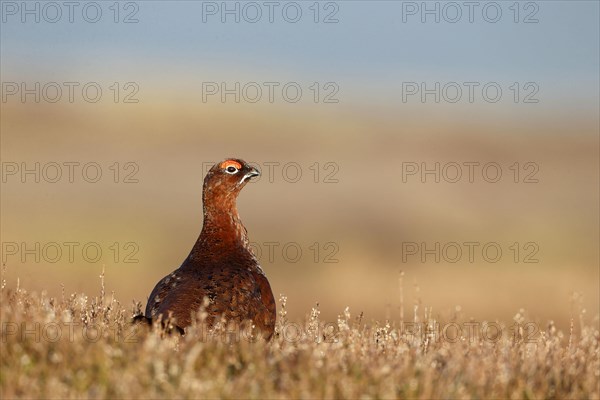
<point>231,170</point>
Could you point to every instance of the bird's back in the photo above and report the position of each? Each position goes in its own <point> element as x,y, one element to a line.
<point>236,290</point>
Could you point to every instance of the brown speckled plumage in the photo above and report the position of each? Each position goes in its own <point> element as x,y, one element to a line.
<point>221,266</point>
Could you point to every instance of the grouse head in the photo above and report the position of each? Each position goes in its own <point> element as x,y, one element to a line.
<point>226,178</point>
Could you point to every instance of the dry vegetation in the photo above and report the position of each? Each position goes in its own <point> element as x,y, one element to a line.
<point>78,346</point>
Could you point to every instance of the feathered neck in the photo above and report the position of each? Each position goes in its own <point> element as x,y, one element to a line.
<point>222,229</point>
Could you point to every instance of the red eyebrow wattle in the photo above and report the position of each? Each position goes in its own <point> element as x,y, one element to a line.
<point>230,163</point>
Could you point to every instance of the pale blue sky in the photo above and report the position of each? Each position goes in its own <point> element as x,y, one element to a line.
<point>370,46</point>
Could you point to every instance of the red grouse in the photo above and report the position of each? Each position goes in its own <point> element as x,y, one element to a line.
<point>221,267</point>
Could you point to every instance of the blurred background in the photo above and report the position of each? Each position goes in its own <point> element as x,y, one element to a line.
<point>456,144</point>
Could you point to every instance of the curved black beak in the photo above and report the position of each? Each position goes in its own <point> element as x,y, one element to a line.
<point>251,174</point>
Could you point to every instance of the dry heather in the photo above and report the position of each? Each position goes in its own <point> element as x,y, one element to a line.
<point>85,347</point>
